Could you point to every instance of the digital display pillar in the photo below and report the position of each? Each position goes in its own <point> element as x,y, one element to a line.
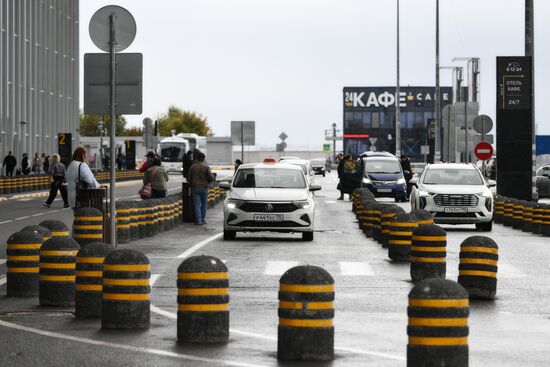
<point>515,127</point>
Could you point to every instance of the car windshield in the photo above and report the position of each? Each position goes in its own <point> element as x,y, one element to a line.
<point>452,177</point>
<point>279,178</point>
<point>172,152</point>
<point>381,166</point>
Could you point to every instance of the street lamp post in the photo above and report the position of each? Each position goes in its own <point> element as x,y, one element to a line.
<point>398,95</point>
<point>334,142</point>
<point>100,125</point>
<point>437,114</point>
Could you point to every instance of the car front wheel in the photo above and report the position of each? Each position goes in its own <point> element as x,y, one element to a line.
<point>229,235</point>
<point>484,227</point>
<point>307,236</point>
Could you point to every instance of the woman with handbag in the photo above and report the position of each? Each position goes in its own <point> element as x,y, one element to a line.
<point>79,176</point>
<point>57,171</point>
<point>154,181</point>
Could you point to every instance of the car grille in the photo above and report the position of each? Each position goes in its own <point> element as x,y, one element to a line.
<point>268,207</point>
<point>455,200</point>
<point>384,183</point>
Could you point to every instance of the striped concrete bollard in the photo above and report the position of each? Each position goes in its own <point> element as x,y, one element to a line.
<point>122,222</point>
<point>366,220</point>
<point>517,214</point>
<point>169,212</point>
<point>422,216</point>
<point>180,207</point>
<point>134,219</point>
<point>149,218</point>
<point>126,290</point>
<point>203,300</point>
<point>57,228</point>
<point>400,237</point>
<point>89,275</point>
<point>508,212</point>
<point>377,221</point>
<point>527,225</point>
<point>537,218</point>
<point>57,272</point>
<point>428,253</point>
<point>42,231</point>
<point>477,271</point>
<point>438,324</point>
<point>306,313</point>
<point>545,221</point>
<point>142,219</point>
<point>355,198</point>
<point>23,256</point>
<point>88,226</point>
<point>160,215</point>
<point>498,211</point>
<point>386,216</point>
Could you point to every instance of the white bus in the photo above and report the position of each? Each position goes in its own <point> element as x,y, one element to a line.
<point>172,149</point>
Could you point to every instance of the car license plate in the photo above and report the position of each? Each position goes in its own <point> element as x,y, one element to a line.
<point>268,217</point>
<point>456,210</point>
<point>384,190</point>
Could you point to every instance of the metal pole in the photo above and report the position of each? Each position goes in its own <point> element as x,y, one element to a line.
<point>466,153</point>
<point>334,142</point>
<point>242,141</point>
<point>437,150</point>
<point>530,51</point>
<point>112,207</point>
<point>398,97</point>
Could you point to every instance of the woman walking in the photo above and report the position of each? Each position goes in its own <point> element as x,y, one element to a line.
<point>79,176</point>
<point>57,171</point>
<point>157,176</point>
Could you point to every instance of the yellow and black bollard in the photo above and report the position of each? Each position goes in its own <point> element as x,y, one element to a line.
<point>160,211</point>
<point>428,253</point>
<point>545,220</point>
<point>57,228</point>
<point>57,272</point>
<point>508,212</point>
<point>377,221</point>
<point>23,256</point>
<point>142,218</point>
<point>477,271</point>
<point>536,226</point>
<point>527,225</point>
<point>400,237</point>
<point>306,313</point>
<point>88,226</point>
<point>89,275</point>
<point>517,214</point>
<point>386,216</point>
<point>422,216</point>
<point>149,218</point>
<point>203,300</point>
<point>126,290</point>
<point>42,231</point>
<point>438,324</point>
<point>498,210</point>
<point>122,222</point>
<point>366,219</point>
<point>134,219</point>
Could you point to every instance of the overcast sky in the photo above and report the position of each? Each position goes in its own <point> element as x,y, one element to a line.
<point>283,63</point>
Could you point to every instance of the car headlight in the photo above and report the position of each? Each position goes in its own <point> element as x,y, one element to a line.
<point>302,204</point>
<point>485,194</point>
<point>423,193</point>
<point>231,204</point>
<point>401,181</point>
<point>367,181</point>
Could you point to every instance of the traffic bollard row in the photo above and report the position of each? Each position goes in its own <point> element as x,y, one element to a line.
<point>522,215</point>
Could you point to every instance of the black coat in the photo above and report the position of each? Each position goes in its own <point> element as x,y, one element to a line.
<point>10,161</point>
<point>341,167</point>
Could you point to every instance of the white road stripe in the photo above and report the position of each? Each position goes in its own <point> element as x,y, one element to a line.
<point>25,199</point>
<point>38,214</point>
<point>6,221</point>
<point>355,269</point>
<point>190,251</point>
<point>279,267</point>
<point>20,218</point>
<point>130,348</point>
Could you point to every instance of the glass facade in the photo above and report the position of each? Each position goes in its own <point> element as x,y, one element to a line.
<point>369,119</point>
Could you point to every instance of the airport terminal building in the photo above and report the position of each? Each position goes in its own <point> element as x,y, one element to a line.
<point>369,119</point>
<point>39,84</point>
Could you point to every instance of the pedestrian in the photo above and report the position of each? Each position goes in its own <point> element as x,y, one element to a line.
<point>10,162</point>
<point>25,167</point>
<point>119,161</point>
<point>340,171</point>
<point>46,160</point>
<point>149,158</point>
<point>407,171</point>
<point>157,176</point>
<point>187,163</point>
<point>238,162</point>
<point>199,180</point>
<point>79,176</point>
<point>37,164</point>
<point>58,172</point>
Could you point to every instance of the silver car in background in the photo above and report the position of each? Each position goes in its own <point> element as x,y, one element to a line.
<point>455,193</point>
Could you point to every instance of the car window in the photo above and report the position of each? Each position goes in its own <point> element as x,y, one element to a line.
<point>303,166</point>
<point>269,178</point>
<point>452,177</point>
<point>381,166</point>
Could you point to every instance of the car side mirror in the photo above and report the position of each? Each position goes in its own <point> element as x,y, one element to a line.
<point>225,185</point>
<point>491,183</point>
<point>315,187</point>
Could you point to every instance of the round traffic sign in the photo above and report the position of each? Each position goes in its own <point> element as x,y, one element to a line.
<point>483,124</point>
<point>100,28</point>
<point>483,151</point>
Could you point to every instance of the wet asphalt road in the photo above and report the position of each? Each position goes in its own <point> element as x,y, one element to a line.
<point>371,300</point>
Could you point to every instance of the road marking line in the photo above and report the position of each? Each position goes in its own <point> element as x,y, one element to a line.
<point>279,267</point>
<point>126,347</point>
<point>37,215</point>
<point>190,251</point>
<point>20,218</point>
<point>25,199</point>
<point>6,221</point>
<point>355,269</point>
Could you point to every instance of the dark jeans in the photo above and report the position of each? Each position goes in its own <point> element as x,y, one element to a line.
<point>54,187</point>
<point>9,171</point>
<point>200,202</point>
<point>158,194</point>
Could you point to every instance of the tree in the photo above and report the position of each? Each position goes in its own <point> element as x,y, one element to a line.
<point>183,122</point>
<point>133,131</point>
<point>89,124</point>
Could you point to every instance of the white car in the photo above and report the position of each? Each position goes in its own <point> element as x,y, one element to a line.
<point>269,198</point>
<point>455,193</point>
<point>303,163</point>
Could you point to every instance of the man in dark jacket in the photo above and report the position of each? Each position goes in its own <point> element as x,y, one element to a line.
<point>10,162</point>
<point>199,178</point>
<point>25,166</point>
<point>340,170</point>
<point>407,171</point>
<point>187,163</point>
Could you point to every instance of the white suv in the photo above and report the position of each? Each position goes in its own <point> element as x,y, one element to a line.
<point>455,193</point>
<point>269,197</point>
